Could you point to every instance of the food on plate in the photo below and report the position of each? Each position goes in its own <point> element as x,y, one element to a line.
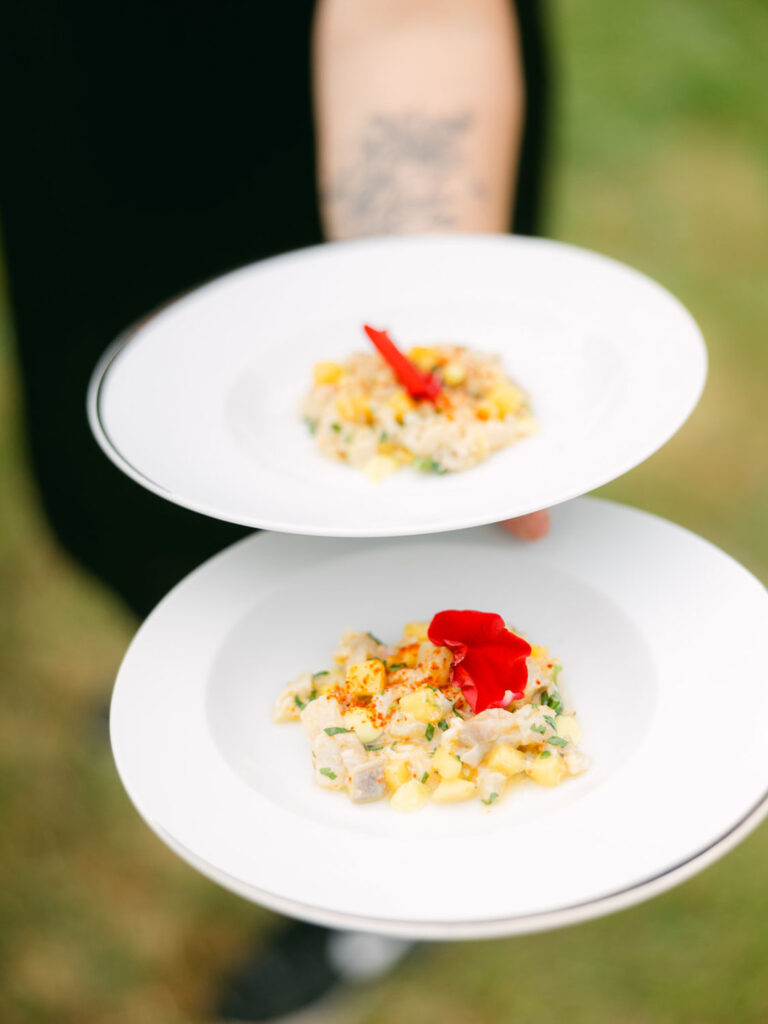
<point>439,409</point>
<point>458,708</point>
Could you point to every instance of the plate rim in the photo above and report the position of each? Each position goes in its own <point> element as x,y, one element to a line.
<point>99,376</point>
<point>487,927</point>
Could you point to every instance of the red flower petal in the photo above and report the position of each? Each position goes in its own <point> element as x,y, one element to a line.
<point>488,659</point>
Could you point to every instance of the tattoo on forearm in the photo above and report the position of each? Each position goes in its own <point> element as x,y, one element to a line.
<point>409,174</point>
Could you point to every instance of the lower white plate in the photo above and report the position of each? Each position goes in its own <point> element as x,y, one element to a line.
<point>660,637</point>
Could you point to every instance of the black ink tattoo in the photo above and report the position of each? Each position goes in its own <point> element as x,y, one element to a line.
<point>407,177</point>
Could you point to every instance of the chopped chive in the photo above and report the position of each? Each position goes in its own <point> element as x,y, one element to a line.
<point>316,675</point>
<point>557,741</point>
<point>373,746</point>
<point>311,425</point>
<point>424,777</point>
<point>545,753</point>
<point>491,798</point>
<point>336,427</point>
<point>298,702</point>
<point>375,639</point>
<point>334,730</point>
<point>383,435</point>
<point>397,665</point>
<point>393,745</point>
<point>427,465</point>
<point>429,732</point>
<point>556,672</point>
<point>550,722</point>
<point>538,728</point>
<point>313,694</point>
<point>442,725</point>
<point>328,773</point>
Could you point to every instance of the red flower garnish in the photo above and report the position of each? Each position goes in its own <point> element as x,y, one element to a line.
<point>488,659</point>
<point>418,385</point>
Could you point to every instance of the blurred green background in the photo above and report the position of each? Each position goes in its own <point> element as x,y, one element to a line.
<point>660,160</point>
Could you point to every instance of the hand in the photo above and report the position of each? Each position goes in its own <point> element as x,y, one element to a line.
<point>533,526</point>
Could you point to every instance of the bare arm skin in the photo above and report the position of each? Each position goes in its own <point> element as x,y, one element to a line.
<point>418,114</point>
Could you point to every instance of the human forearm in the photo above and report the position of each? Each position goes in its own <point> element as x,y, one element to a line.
<point>418,114</point>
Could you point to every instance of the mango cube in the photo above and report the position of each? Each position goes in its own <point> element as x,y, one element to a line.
<point>353,408</point>
<point>410,796</point>
<point>396,774</point>
<point>568,728</point>
<point>446,764</point>
<point>505,399</point>
<point>506,759</point>
<point>380,466</point>
<point>421,705</point>
<point>416,631</point>
<point>327,373</point>
<point>358,720</point>
<point>451,790</point>
<point>546,771</point>
<point>401,404</point>
<point>539,651</point>
<point>454,374</point>
<point>367,678</point>
<point>425,358</point>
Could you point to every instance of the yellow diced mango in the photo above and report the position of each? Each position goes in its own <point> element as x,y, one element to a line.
<point>568,728</point>
<point>359,721</point>
<point>539,651</point>
<point>454,374</point>
<point>450,790</point>
<point>401,404</point>
<point>416,631</point>
<point>396,773</point>
<point>327,373</point>
<point>407,656</point>
<point>506,759</point>
<point>546,771</point>
<point>446,764</point>
<point>353,408</point>
<point>506,399</point>
<point>410,796</point>
<point>425,358</point>
<point>380,466</point>
<point>421,705</point>
<point>367,678</point>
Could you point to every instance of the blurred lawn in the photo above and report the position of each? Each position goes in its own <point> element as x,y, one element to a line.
<point>660,161</point>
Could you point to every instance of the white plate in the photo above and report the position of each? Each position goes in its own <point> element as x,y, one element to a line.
<point>661,636</point>
<point>200,403</point>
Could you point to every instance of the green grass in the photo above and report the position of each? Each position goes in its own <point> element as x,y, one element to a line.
<point>660,161</point>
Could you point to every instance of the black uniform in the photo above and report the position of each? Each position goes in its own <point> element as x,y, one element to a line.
<point>150,145</point>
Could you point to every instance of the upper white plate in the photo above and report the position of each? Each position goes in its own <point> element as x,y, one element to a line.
<point>200,403</point>
<point>659,634</point>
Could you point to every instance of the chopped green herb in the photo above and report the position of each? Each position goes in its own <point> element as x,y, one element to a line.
<point>550,722</point>
<point>311,425</point>
<point>336,427</point>
<point>334,730</point>
<point>394,745</point>
<point>430,687</point>
<point>298,702</point>
<point>457,713</point>
<point>538,728</point>
<point>327,772</point>
<point>383,435</point>
<point>557,741</point>
<point>556,672</point>
<point>551,701</point>
<point>375,639</point>
<point>424,777</point>
<point>491,798</point>
<point>373,746</point>
<point>427,465</point>
<point>313,695</point>
<point>442,725</point>
<point>429,732</point>
<point>397,665</point>
<point>545,753</point>
<point>316,675</point>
